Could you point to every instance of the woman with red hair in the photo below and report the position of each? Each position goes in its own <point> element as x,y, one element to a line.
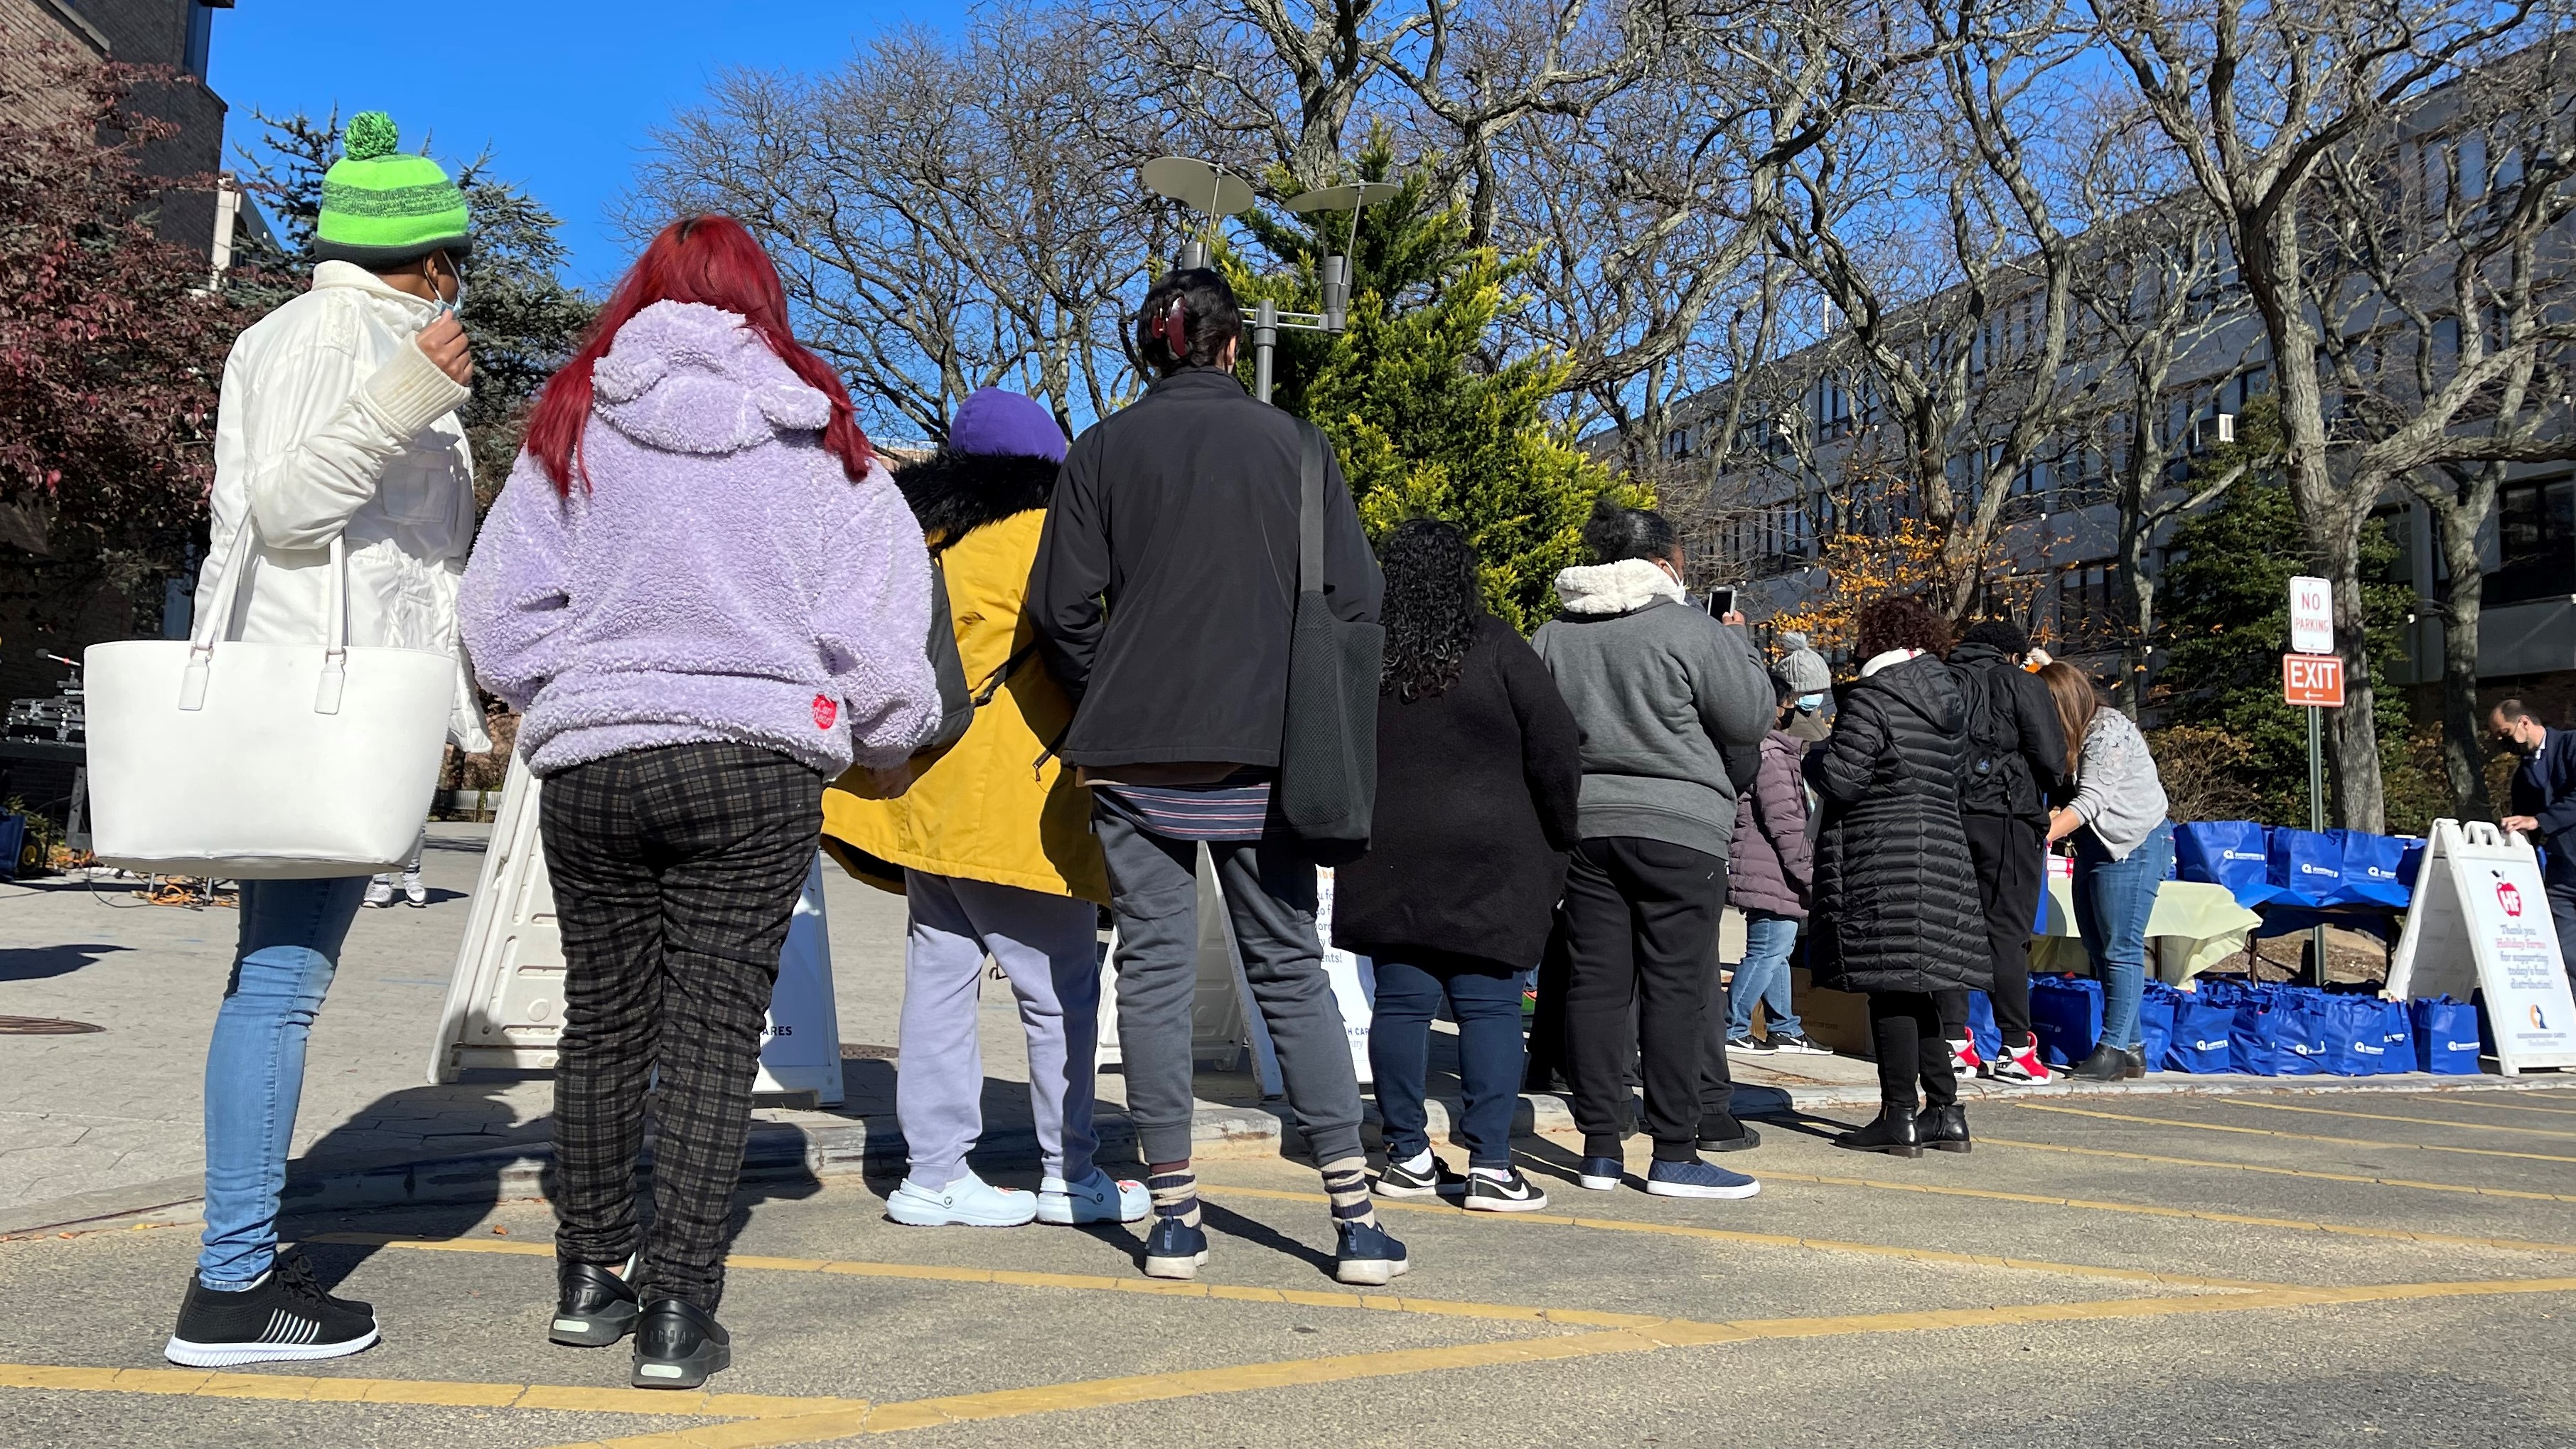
<point>709,599</point>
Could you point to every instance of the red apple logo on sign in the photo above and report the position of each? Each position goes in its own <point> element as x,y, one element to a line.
<point>2509,898</point>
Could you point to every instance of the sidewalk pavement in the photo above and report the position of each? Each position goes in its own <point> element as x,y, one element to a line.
<point>102,1117</point>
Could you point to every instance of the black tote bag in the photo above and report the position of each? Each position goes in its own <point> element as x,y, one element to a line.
<point>1328,752</point>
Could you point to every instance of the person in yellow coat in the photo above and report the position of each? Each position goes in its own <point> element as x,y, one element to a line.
<point>990,843</point>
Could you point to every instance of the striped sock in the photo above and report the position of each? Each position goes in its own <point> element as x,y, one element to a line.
<point>1346,1183</point>
<point>1176,1191</point>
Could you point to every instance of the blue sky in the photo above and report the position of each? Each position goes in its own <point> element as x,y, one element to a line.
<point>563,90</point>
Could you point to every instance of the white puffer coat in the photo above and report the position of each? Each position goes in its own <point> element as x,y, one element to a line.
<point>334,424</point>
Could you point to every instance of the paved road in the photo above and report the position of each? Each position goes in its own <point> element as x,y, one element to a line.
<point>2180,1271</point>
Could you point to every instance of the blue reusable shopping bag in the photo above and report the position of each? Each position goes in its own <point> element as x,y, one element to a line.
<point>2156,1023</point>
<point>2201,1025</point>
<point>2397,1034</point>
<point>2306,867</point>
<point>2410,861</point>
<point>2230,853</point>
<point>1981,1026</point>
<point>2278,1033</point>
<point>2066,1017</point>
<point>2446,1036</point>
<point>2372,869</point>
<point>2356,1035</point>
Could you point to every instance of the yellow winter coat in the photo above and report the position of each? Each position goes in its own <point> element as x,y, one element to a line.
<point>987,808</point>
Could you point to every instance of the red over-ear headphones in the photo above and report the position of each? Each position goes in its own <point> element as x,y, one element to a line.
<point>1172,329</point>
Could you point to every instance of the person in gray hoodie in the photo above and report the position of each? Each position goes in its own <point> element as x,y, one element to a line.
<point>1659,689</point>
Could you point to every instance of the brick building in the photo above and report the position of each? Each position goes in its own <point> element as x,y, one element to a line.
<point>177,34</point>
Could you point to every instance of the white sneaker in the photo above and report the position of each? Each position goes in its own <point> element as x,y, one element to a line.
<point>413,890</point>
<point>380,891</point>
<point>969,1202</point>
<point>1097,1199</point>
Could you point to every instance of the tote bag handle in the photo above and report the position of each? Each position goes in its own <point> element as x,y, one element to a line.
<point>210,628</point>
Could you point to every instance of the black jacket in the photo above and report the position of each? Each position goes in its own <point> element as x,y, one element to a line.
<point>1896,905</point>
<point>2544,788</point>
<point>1476,794</point>
<point>1180,512</point>
<point>2032,768</point>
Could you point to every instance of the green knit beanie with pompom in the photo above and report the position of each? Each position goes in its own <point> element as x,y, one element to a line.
<point>380,208</point>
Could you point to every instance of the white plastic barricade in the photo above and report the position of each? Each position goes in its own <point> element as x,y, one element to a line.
<point>2480,920</point>
<point>505,993</point>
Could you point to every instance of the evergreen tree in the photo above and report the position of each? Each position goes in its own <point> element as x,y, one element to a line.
<point>1426,421</point>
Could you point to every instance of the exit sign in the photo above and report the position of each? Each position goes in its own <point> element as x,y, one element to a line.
<point>2312,679</point>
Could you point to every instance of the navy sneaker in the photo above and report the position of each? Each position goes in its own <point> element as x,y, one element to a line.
<point>1695,1178</point>
<point>1174,1249</point>
<point>1601,1174</point>
<point>1369,1256</point>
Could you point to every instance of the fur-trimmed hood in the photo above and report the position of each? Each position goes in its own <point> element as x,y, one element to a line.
<point>954,493</point>
<point>1595,590</point>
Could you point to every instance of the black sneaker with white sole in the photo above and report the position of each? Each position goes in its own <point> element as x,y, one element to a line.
<point>1401,1181</point>
<point>284,1317</point>
<point>677,1344</point>
<point>1513,1194</point>
<point>595,1306</point>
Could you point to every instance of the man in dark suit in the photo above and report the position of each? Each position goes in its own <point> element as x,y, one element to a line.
<point>2544,807</point>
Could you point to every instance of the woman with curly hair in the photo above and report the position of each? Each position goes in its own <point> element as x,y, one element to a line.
<point>1896,906</point>
<point>1479,765</point>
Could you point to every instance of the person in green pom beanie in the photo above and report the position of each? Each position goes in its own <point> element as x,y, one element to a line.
<point>337,424</point>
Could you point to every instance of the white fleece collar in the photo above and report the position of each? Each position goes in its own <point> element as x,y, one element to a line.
<point>350,274</point>
<point>1892,657</point>
<point>1614,588</point>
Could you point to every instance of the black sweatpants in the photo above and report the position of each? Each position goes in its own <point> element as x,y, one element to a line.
<point>675,871</point>
<point>2012,869</point>
<point>1906,1028</point>
<point>1641,916</point>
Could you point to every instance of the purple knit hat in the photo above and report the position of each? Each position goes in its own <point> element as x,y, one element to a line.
<point>991,421</point>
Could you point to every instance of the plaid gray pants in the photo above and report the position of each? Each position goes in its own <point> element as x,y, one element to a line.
<point>674,871</point>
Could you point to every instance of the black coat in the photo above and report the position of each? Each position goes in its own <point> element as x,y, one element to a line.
<point>1180,513</point>
<point>1896,906</point>
<point>1476,792</point>
<point>2033,766</point>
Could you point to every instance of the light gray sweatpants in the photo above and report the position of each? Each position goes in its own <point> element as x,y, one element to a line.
<point>1046,946</point>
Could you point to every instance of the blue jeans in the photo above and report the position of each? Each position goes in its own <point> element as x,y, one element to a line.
<point>1486,1000</point>
<point>1763,975</point>
<point>291,932</point>
<point>2113,899</point>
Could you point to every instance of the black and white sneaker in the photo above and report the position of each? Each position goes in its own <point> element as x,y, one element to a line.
<point>677,1344</point>
<point>595,1306</point>
<point>284,1317</point>
<point>1511,1194</point>
<point>1402,1180</point>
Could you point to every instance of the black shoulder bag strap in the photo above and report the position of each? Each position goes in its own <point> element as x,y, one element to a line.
<point>1310,509</point>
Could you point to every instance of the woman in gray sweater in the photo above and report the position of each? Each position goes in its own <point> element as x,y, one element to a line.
<point>2123,851</point>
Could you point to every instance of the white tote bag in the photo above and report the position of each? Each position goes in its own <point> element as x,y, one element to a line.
<point>219,757</point>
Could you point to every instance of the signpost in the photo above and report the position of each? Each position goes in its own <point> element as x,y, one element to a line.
<point>2312,675</point>
<point>2479,921</point>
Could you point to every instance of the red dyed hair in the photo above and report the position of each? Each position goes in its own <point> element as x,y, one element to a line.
<point>709,259</point>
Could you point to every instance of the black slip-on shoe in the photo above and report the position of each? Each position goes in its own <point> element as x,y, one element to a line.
<point>677,1345</point>
<point>594,1305</point>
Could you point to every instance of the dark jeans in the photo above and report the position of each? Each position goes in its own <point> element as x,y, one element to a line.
<point>1906,1027</point>
<point>1641,919</point>
<point>1269,888</point>
<point>1485,997</point>
<point>674,873</point>
<point>2012,869</point>
<point>2559,879</point>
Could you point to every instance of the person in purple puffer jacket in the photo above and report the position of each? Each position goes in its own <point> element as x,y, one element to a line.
<point>1769,872</point>
<point>709,599</point>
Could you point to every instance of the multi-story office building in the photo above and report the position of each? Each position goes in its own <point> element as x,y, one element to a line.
<point>177,34</point>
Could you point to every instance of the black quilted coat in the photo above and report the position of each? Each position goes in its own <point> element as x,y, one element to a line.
<point>1896,905</point>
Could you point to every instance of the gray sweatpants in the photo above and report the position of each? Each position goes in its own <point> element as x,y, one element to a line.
<point>1270,899</point>
<point>1046,946</point>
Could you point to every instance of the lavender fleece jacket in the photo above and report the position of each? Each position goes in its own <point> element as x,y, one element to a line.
<point>721,579</point>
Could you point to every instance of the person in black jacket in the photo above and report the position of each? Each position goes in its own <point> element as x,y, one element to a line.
<point>1479,768</point>
<point>2016,762</point>
<point>1162,594</point>
<point>1896,907</point>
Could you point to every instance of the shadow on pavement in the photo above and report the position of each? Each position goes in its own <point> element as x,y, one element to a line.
<point>39,963</point>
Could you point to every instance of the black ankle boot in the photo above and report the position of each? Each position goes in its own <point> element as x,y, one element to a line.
<point>2107,1064</point>
<point>1944,1129</point>
<point>677,1344</point>
<point>1894,1133</point>
<point>594,1306</point>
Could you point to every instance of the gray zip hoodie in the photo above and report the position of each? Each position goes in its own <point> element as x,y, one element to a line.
<point>1658,687</point>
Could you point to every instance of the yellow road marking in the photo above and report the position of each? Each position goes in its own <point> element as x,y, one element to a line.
<point>2310,1172</point>
<point>2291,1136</point>
<point>2452,1100</point>
<point>207,1384</point>
<point>825,1427</point>
<point>1084,1282</point>
<point>1781,1240</point>
<point>2391,1117</point>
<point>2353,1230</point>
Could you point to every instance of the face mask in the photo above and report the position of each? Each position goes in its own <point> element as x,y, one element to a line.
<point>1811,702</point>
<point>444,307</point>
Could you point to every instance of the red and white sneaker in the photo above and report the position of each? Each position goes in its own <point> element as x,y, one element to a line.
<point>1965,1059</point>
<point>2021,1066</point>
